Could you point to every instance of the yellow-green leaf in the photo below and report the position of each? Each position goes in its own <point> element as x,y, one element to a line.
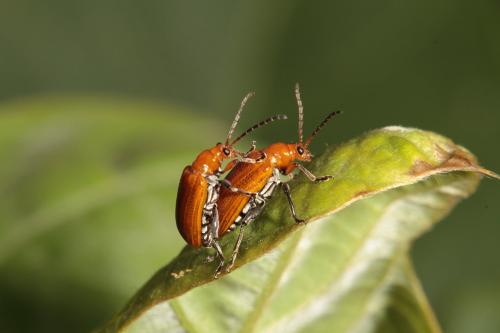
<point>346,271</point>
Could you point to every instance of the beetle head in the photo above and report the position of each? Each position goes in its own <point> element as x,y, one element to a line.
<point>224,151</point>
<point>302,152</point>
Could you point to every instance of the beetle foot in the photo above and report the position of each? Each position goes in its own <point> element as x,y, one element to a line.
<point>218,271</point>
<point>257,197</point>
<point>323,179</point>
<point>300,221</point>
<point>233,260</point>
<point>229,267</point>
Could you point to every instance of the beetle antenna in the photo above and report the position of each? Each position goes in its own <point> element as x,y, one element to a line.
<point>300,110</point>
<point>320,126</point>
<point>262,123</point>
<point>237,117</point>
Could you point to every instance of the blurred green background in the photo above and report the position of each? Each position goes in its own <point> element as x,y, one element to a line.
<point>103,102</point>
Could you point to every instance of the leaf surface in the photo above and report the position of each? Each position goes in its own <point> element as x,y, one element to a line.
<point>345,271</point>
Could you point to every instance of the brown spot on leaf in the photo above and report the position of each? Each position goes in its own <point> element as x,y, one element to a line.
<point>459,159</point>
<point>361,194</point>
<point>420,167</point>
<point>450,159</point>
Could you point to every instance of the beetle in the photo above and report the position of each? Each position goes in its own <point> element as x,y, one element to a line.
<point>261,179</point>
<point>196,205</point>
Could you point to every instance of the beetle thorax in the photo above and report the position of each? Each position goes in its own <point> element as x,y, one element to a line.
<point>280,155</point>
<point>209,160</point>
<point>283,155</point>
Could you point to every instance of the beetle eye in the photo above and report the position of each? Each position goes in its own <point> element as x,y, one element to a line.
<point>226,151</point>
<point>300,150</point>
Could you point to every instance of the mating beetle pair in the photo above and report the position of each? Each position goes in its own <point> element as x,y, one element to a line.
<point>208,207</point>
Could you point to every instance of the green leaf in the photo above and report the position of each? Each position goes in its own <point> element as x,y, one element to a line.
<point>346,272</point>
<point>407,309</point>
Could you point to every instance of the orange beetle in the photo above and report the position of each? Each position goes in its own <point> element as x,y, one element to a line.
<point>196,206</point>
<point>261,179</point>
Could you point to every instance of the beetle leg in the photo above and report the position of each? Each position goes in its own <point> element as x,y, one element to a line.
<point>210,217</point>
<point>249,218</point>
<point>235,250</point>
<point>214,225</point>
<point>213,234</point>
<point>311,176</point>
<point>220,255</point>
<point>242,158</point>
<point>262,157</point>
<point>233,189</point>
<point>252,160</point>
<point>286,189</point>
<point>214,231</point>
<point>252,147</point>
<point>229,166</point>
